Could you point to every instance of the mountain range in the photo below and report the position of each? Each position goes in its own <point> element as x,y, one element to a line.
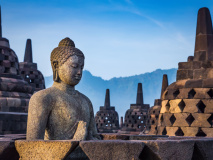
<point>123,90</point>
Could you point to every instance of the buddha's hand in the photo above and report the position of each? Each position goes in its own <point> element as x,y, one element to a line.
<point>81,131</point>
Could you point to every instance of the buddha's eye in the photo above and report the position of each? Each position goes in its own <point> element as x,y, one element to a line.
<point>74,65</point>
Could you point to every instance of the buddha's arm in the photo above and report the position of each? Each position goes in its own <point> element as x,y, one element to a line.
<point>92,134</point>
<point>38,112</point>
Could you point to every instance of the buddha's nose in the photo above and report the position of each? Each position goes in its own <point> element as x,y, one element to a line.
<point>79,72</point>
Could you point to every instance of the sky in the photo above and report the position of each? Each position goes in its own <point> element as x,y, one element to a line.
<point>119,38</point>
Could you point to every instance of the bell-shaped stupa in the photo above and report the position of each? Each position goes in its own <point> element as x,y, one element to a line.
<point>14,91</point>
<point>29,71</point>
<point>187,104</point>
<point>136,116</point>
<point>154,111</point>
<point>107,118</point>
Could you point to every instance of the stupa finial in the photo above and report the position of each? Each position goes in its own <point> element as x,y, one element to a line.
<point>107,99</point>
<point>28,57</point>
<point>204,36</point>
<point>164,84</point>
<point>139,99</point>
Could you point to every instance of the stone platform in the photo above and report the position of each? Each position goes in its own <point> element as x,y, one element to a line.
<point>113,146</point>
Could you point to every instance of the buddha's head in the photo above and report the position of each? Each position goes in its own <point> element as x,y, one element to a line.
<point>67,63</point>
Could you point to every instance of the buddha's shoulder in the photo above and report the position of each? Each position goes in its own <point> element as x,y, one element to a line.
<point>84,97</point>
<point>46,94</point>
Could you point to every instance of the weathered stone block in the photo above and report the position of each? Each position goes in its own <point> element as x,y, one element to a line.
<point>168,150</point>
<point>174,106</point>
<point>194,83</point>
<point>199,55</point>
<point>180,120</point>
<point>165,106</point>
<point>160,120</point>
<point>118,149</point>
<point>185,65</point>
<point>177,85</point>
<point>13,70</point>
<point>161,130</point>
<point>171,131</point>
<point>8,150</point>
<point>49,150</point>
<point>196,65</point>
<point>183,93</point>
<point>209,72</point>
<point>165,119</point>
<point>209,105</point>
<point>201,93</point>
<point>114,137</point>
<point>3,101</point>
<point>190,131</point>
<point>208,83</point>
<point>200,120</point>
<point>184,74</point>
<point>199,74</point>
<point>153,130</point>
<point>206,64</point>
<point>190,59</point>
<point>3,87</point>
<point>191,105</point>
<point>6,63</point>
<point>208,131</point>
<point>203,146</point>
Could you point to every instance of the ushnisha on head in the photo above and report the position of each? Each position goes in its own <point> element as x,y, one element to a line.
<point>67,63</point>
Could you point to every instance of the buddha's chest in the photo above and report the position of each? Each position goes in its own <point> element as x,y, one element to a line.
<point>70,109</point>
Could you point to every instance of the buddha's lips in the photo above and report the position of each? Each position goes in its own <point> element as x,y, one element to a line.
<point>77,77</point>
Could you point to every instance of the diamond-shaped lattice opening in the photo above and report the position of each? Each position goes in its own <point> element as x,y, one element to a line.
<point>182,105</point>
<point>161,118</point>
<point>167,106</point>
<point>172,119</point>
<point>153,122</point>
<point>210,120</point>
<point>190,119</point>
<point>201,106</point>
<point>200,133</point>
<point>191,94</point>
<point>175,94</point>
<point>179,132</point>
<point>210,93</point>
<point>164,131</point>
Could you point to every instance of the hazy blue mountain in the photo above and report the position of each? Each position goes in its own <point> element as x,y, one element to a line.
<point>123,89</point>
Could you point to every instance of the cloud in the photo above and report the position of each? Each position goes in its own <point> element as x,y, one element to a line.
<point>158,23</point>
<point>133,10</point>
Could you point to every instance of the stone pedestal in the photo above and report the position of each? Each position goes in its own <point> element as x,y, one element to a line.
<point>47,150</point>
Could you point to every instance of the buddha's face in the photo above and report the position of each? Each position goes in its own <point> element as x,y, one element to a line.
<point>71,71</point>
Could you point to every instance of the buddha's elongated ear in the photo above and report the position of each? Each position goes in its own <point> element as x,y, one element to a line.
<point>55,71</point>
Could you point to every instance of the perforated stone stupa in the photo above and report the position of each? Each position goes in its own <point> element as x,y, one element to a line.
<point>29,71</point>
<point>154,111</point>
<point>14,91</point>
<point>187,106</point>
<point>107,118</point>
<point>136,116</point>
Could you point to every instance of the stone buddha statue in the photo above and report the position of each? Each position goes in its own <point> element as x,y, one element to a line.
<point>61,112</point>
